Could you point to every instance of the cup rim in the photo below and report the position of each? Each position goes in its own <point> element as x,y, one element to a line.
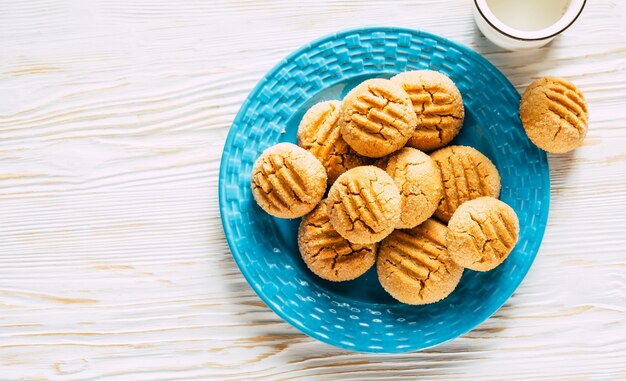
<point>560,25</point>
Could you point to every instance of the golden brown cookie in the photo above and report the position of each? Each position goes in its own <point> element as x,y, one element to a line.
<point>319,134</point>
<point>414,265</point>
<point>482,233</point>
<point>377,118</point>
<point>419,183</point>
<point>329,255</point>
<point>554,114</point>
<point>364,205</point>
<point>438,105</point>
<point>466,174</point>
<point>288,181</point>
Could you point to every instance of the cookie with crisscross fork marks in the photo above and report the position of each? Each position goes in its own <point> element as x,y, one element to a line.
<point>364,205</point>
<point>466,174</point>
<point>328,254</point>
<point>554,114</point>
<point>288,181</point>
<point>438,105</point>
<point>482,233</point>
<point>414,266</point>
<point>319,134</point>
<point>377,118</point>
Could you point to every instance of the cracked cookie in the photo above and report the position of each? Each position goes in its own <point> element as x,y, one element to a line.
<point>414,266</point>
<point>466,174</point>
<point>327,254</point>
<point>364,205</point>
<point>377,118</point>
<point>482,233</point>
<point>419,183</point>
<point>288,181</point>
<point>438,105</point>
<point>554,114</point>
<point>319,134</point>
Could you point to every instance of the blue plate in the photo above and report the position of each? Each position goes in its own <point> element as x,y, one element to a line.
<point>359,315</point>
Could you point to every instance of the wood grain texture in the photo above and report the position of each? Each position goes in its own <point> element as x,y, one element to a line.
<point>113,263</point>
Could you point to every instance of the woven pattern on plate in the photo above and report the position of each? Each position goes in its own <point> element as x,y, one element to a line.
<point>358,315</point>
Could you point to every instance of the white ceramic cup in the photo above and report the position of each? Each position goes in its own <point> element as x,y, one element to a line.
<point>525,24</point>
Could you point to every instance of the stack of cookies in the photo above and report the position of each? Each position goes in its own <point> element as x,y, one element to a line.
<point>399,196</point>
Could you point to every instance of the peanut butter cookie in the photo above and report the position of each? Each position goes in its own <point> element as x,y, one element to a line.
<point>377,118</point>
<point>482,233</point>
<point>554,114</point>
<point>466,174</point>
<point>419,183</point>
<point>438,105</point>
<point>329,255</point>
<point>288,181</point>
<point>319,134</point>
<point>364,205</point>
<point>414,266</point>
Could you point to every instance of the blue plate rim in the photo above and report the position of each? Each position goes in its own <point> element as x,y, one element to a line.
<point>222,197</point>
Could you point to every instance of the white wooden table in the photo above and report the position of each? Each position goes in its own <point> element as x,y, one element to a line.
<point>113,263</point>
